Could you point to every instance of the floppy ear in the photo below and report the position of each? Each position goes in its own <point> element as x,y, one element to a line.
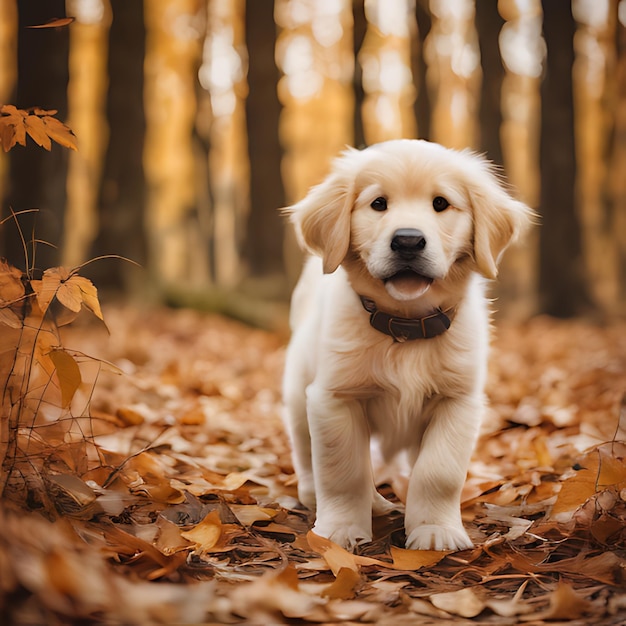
<point>322,217</point>
<point>498,220</point>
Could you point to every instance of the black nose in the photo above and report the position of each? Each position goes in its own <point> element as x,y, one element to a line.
<point>407,242</point>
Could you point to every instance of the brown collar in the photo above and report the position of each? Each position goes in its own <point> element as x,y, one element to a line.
<point>403,329</point>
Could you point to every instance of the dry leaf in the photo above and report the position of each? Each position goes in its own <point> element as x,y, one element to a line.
<point>68,374</point>
<point>464,602</point>
<point>205,535</point>
<point>599,471</point>
<point>55,22</point>
<point>38,123</point>
<point>169,539</point>
<point>415,559</point>
<point>337,557</point>
<point>565,604</point>
<point>344,584</point>
<point>36,129</point>
<point>70,289</point>
<point>250,513</point>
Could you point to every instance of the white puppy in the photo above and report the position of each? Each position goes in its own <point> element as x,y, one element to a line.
<point>390,333</point>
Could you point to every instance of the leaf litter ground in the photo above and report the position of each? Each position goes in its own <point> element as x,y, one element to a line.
<point>173,500</point>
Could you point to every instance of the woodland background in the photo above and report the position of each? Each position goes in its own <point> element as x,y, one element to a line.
<point>196,120</point>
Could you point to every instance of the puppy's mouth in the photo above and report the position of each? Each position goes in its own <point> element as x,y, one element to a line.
<point>407,284</point>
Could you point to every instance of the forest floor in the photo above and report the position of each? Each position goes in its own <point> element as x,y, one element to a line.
<point>171,498</point>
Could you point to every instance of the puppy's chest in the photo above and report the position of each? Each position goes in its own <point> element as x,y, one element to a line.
<point>404,375</point>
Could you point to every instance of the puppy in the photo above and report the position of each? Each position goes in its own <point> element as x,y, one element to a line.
<point>390,330</point>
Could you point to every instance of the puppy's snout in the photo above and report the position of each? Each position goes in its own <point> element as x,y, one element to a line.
<point>408,242</point>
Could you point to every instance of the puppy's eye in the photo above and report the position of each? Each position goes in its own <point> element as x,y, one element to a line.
<point>380,204</point>
<point>440,204</point>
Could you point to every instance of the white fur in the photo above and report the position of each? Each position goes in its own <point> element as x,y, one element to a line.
<point>348,387</point>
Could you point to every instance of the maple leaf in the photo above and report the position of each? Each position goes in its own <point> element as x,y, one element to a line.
<point>69,289</point>
<point>38,123</point>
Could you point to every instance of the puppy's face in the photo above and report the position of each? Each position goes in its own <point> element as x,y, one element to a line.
<point>411,213</point>
<point>410,223</point>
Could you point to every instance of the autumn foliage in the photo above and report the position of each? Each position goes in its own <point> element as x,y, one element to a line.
<point>172,493</point>
<point>40,125</point>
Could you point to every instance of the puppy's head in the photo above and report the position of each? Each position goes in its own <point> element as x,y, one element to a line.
<point>411,213</point>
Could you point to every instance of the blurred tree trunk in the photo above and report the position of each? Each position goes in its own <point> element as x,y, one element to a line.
<point>359,30</point>
<point>562,285</point>
<point>422,102</point>
<point>488,24</point>
<point>37,177</point>
<point>594,75</point>
<point>121,192</point>
<point>173,56</point>
<point>87,90</point>
<point>265,225</point>
<point>385,59</point>
<point>453,74</point>
<point>617,166</point>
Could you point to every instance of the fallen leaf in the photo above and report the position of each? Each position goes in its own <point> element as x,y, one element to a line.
<point>248,514</point>
<point>415,559</point>
<point>337,557</point>
<point>565,604</point>
<point>169,539</point>
<point>464,602</point>
<point>344,585</point>
<point>206,534</point>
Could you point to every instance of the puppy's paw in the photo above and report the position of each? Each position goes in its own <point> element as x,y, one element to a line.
<point>434,537</point>
<point>348,536</point>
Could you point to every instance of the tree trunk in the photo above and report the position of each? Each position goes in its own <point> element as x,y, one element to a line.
<point>37,177</point>
<point>561,282</point>
<point>617,166</point>
<point>122,187</point>
<point>263,247</point>
<point>422,102</point>
<point>488,25</point>
<point>86,95</point>
<point>359,30</point>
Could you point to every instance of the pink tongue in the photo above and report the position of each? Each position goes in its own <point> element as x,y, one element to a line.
<point>408,285</point>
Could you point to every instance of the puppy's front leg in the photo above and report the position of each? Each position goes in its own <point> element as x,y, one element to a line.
<point>341,468</point>
<point>433,511</point>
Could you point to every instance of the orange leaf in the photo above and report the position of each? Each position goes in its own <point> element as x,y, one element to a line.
<point>59,132</point>
<point>463,602</point>
<point>71,290</point>
<point>205,534</point>
<point>68,373</point>
<point>344,585</point>
<point>10,109</point>
<point>7,134</point>
<point>337,557</point>
<point>55,22</point>
<point>37,131</point>
<point>600,471</point>
<point>415,559</point>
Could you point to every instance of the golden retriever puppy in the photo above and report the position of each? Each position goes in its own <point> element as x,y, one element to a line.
<point>390,334</point>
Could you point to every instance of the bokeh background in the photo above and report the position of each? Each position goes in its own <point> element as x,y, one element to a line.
<point>196,120</point>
